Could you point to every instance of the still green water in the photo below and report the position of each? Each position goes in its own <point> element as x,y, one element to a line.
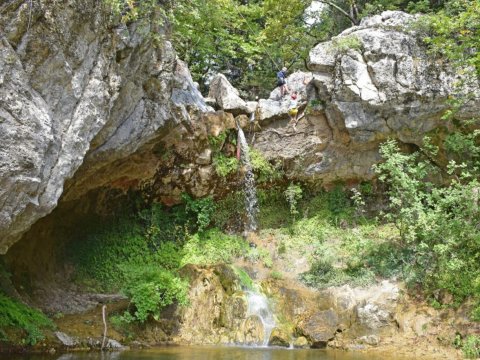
<point>210,353</point>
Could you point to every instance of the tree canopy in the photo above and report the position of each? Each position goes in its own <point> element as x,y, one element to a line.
<point>250,40</point>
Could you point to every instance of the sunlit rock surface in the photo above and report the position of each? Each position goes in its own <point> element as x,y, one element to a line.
<point>77,88</point>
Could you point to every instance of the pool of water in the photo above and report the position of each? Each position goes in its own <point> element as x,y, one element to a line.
<point>209,353</point>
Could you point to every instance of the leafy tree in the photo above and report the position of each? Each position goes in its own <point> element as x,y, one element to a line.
<point>438,225</point>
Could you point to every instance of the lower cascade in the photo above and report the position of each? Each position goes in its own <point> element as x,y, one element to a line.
<point>258,309</point>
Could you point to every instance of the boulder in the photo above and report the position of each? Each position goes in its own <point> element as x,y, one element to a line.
<point>386,85</point>
<point>279,337</point>
<point>301,342</point>
<point>66,340</point>
<point>226,96</point>
<point>269,109</point>
<point>320,328</point>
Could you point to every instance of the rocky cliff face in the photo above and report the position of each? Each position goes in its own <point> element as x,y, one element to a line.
<point>78,89</point>
<point>87,103</point>
<point>372,82</point>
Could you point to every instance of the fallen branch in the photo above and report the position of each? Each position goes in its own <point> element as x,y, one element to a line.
<point>104,309</point>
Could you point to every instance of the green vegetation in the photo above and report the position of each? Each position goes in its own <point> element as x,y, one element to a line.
<point>438,244</point>
<point>250,41</point>
<point>225,165</point>
<point>213,247</point>
<point>351,42</point>
<point>293,194</point>
<point>276,275</point>
<point>141,255</point>
<point>31,322</point>
<point>201,209</point>
<point>245,279</point>
<point>454,33</point>
<point>470,346</point>
<point>264,171</point>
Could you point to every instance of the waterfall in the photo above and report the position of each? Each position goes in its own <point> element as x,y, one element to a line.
<point>251,202</point>
<point>258,305</point>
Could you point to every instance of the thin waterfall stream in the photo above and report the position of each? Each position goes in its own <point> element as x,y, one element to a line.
<point>257,303</point>
<point>251,202</point>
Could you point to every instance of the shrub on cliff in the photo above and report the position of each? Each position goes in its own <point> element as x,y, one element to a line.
<point>438,225</point>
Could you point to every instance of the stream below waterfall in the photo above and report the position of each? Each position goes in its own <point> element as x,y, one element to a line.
<point>210,353</point>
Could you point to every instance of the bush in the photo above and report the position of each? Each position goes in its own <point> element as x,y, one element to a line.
<point>293,194</point>
<point>201,209</point>
<point>323,274</point>
<point>19,316</point>
<point>151,288</point>
<point>437,224</point>
<point>276,275</point>
<point>263,169</point>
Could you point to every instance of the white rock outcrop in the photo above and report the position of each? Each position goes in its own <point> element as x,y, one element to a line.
<point>371,82</point>
<point>226,96</point>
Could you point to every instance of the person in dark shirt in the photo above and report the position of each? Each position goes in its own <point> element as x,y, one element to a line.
<point>282,82</point>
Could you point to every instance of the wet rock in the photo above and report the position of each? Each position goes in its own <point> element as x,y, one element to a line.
<point>279,337</point>
<point>301,343</point>
<point>253,331</point>
<point>65,339</point>
<point>114,345</point>
<point>235,309</point>
<point>319,328</point>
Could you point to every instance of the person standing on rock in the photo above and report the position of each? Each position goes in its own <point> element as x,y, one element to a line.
<point>282,81</point>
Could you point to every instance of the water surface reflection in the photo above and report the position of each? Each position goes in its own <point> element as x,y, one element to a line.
<point>209,353</point>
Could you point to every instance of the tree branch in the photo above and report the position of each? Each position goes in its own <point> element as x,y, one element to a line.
<point>338,8</point>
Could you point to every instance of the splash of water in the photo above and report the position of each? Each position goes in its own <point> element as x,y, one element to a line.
<point>257,304</point>
<point>251,202</point>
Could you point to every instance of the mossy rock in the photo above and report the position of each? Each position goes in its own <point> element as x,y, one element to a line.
<point>279,337</point>
<point>228,278</point>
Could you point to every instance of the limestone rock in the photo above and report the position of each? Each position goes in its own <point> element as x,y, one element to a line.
<point>387,87</point>
<point>84,97</point>
<point>319,328</point>
<point>65,339</point>
<point>297,82</point>
<point>372,340</point>
<point>226,96</point>
<point>253,331</point>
